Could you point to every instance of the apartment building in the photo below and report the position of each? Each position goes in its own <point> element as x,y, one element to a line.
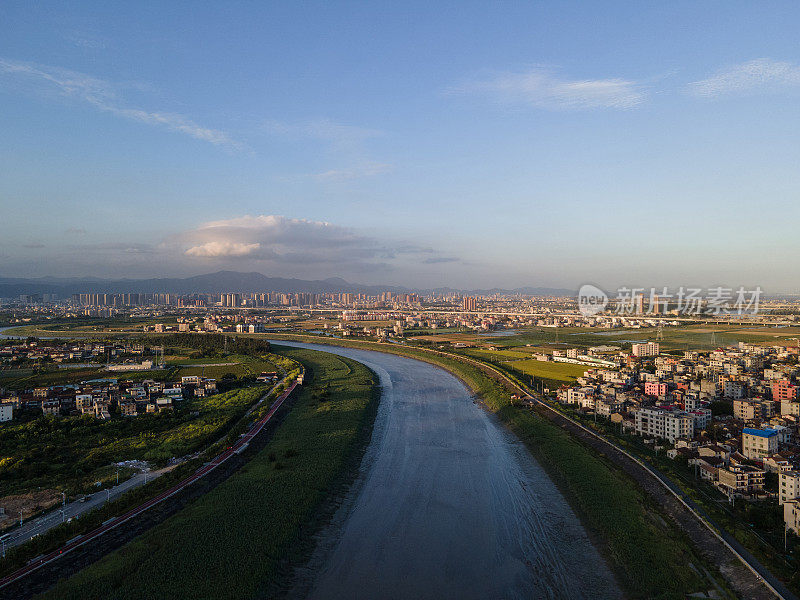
<point>645,350</point>
<point>664,423</point>
<point>783,390</point>
<point>788,486</point>
<point>759,443</point>
<point>655,388</point>
<point>741,480</point>
<point>791,515</point>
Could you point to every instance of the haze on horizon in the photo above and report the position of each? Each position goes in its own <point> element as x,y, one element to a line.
<point>403,144</point>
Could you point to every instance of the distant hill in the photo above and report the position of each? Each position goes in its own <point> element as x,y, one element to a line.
<point>226,281</point>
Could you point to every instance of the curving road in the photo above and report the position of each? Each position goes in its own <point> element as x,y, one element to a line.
<point>448,504</point>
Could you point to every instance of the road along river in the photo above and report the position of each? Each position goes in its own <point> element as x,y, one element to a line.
<point>447,504</point>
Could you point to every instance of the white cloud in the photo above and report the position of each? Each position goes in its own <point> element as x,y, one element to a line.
<point>541,88</point>
<point>223,249</point>
<point>759,74</point>
<point>105,96</point>
<point>284,243</point>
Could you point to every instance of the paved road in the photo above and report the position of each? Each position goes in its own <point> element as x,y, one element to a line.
<point>448,504</point>
<point>74,509</point>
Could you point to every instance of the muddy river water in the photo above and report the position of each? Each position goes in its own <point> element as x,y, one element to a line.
<point>448,504</point>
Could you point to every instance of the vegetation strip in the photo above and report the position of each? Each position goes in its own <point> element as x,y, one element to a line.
<point>231,542</point>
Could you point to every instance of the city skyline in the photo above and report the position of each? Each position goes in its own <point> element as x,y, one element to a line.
<point>411,146</point>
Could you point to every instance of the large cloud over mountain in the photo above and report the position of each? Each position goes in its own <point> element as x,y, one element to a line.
<point>278,239</point>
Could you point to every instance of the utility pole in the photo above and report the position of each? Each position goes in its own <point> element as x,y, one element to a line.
<point>63,498</point>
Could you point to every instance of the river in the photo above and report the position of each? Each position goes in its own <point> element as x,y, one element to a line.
<point>447,504</point>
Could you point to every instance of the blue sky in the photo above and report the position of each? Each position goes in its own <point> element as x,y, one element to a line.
<point>463,144</point>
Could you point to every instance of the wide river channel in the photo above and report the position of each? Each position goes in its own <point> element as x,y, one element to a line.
<point>447,504</point>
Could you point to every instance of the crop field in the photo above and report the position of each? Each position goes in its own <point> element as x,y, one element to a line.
<point>496,355</point>
<point>229,543</point>
<point>236,365</point>
<point>685,337</point>
<point>553,371</point>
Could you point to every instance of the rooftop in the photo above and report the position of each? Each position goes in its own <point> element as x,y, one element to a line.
<point>760,432</point>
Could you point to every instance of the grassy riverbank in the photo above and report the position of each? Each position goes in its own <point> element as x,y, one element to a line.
<point>230,543</point>
<point>649,556</point>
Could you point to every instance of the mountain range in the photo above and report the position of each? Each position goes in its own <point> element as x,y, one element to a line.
<point>229,281</point>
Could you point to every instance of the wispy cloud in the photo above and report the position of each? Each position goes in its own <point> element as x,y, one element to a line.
<point>105,96</point>
<point>542,88</point>
<point>357,172</point>
<point>340,137</point>
<point>760,74</point>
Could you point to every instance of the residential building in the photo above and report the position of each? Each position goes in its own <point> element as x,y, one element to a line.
<point>6,411</point>
<point>791,515</point>
<point>664,423</point>
<point>655,388</point>
<point>759,443</point>
<point>788,486</point>
<point>741,480</point>
<point>644,350</point>
<point>783,390</point>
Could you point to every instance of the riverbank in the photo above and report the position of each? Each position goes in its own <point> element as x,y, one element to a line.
<point>650,556</point>
<point>233,541</point>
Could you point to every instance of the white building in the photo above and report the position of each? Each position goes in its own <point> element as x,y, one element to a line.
<point>789,486</point>
<point>6,411</point>
<point>791,515</point>
<point>665,424</point>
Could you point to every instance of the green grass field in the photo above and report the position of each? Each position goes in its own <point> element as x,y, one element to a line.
<point>552,371</point>
<point>229,543</point>
<point>495,355</point>
<point>685,337</point>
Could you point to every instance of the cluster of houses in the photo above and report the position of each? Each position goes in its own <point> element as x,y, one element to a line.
<point>667,400</point>
<point>19,353</point>
<point>101,397</point>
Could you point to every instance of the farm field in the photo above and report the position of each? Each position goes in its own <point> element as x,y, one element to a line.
<point>230,542</point>
<point>496,355</point>
<point>553,371</point>
<point>687,337</point>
